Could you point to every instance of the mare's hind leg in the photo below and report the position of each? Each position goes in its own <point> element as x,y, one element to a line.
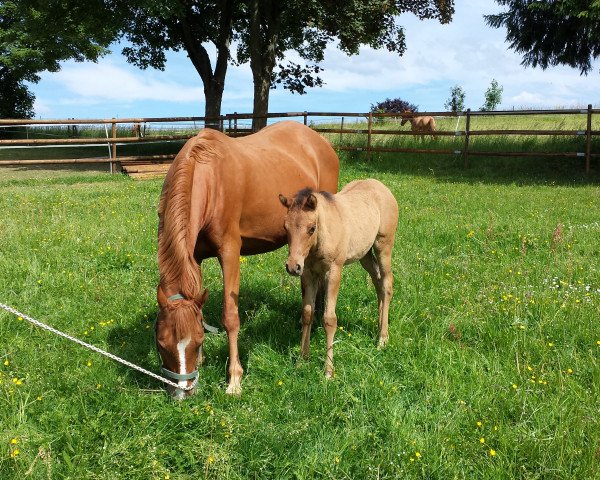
<point>383,253</point>
<point>309,292</point>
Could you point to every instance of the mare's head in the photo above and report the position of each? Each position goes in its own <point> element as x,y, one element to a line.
<point>179,334</point>
<point>301,227</point>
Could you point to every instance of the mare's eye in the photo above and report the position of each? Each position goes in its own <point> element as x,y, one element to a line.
<point>311,230</point>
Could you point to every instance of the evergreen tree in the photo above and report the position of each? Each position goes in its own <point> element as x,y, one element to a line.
<point>551,32</point>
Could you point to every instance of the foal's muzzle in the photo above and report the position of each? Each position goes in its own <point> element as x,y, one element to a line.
<point>295,270</point>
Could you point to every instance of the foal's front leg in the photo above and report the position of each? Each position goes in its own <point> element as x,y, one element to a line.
<point>310,284</point>
<point>330,318</point>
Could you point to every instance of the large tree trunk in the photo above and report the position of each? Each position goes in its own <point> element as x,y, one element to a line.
<point>262,85</point>
<point>264,35</point>
<point>214,82</point>
<point>213,95</point>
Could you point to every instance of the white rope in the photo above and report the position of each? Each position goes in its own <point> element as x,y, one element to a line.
<point>97,350</point>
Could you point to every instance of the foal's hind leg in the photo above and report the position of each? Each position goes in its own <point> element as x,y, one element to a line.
<point>371,265</point>
<point>329,317</point>
<point>309,292</point>
<point>383,252</point>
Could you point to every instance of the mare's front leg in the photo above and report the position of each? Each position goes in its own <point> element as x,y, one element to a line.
<point>229,258</point>
<point>330,318</point>
<point>310,285</point>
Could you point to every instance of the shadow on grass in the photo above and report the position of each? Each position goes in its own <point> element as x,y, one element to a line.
<point>266,318</point>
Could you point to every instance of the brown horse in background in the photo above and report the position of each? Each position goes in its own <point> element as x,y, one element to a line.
<point>420,125</point>
<point>219,200</point>
<point>326,232</point>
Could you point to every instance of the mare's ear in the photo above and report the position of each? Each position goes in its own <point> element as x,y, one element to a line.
<point>284,201</point>
<point>161,297</point>
<point>201,299</point>
<point>311,202</point>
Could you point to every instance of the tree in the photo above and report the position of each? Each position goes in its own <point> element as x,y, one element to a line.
<point>272,28</point>
<point>493,96</point>
<point>35,36</point>
<point>551,32</point>
<point>156,26</point>
<point>456,102</point>
<point>397,105</point>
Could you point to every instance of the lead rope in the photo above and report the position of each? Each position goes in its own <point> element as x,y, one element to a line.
<point>37,323</point>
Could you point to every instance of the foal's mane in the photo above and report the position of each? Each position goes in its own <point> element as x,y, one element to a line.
<point>300,198</point>
<point>175,257</point>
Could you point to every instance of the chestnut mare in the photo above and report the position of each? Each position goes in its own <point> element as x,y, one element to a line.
<point>420,125</point>
<point>219,200</point>
<point>326,232</point>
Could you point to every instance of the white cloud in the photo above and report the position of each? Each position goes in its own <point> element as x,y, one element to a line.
<point>109,82</point>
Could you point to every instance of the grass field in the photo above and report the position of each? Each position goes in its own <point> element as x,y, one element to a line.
<point>492,370</point>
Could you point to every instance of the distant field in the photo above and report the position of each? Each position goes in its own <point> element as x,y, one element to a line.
<point>492,370</point>
<point>512,143</point>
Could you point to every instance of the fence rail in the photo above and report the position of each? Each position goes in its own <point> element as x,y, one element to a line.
<point>232,124</point>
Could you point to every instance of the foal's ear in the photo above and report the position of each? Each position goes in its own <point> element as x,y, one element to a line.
<point>284,201</point>
<point>161,297</point>
<point>201,299</point>
<point>311,202</point>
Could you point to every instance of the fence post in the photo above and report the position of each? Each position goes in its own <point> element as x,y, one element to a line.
<point>369,136</point>
<point>305,118</point>
<point>588,140</point>
<point>341,133</point>
<point>113,146</point>
<point>466,147</point>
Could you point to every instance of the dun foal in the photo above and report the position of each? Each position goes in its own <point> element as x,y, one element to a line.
<point>420,125</point>
<point>326,232</point>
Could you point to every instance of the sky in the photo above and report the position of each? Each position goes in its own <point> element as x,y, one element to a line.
<point>465,52</point>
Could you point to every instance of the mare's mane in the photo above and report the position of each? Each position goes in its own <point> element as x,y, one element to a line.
<point>175,259</point>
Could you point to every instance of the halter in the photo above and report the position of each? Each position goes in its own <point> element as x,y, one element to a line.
<point>169,373</point>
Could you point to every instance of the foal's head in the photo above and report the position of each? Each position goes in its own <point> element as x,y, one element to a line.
<point>301,228</point>
<point>179,336</point>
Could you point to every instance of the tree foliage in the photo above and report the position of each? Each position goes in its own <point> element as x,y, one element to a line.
<point>273,28</point>
<point>551,32</point>
<point>493,96</point>
<point>396,105</point>
<point>36,35</point>
<point>456,102</point>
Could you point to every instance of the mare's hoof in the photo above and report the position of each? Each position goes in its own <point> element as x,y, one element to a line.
<point>328,375</point>
<point>382,343</point>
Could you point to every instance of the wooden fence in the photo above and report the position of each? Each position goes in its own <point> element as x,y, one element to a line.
<point>233,124</point>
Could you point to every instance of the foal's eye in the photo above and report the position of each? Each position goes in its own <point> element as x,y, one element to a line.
<point>311,230</point>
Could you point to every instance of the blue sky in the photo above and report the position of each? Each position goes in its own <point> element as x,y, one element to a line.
<point>465,52</point>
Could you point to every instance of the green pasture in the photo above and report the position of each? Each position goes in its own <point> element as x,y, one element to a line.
<point>492,370</point>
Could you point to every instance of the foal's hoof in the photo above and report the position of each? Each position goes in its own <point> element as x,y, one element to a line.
<point>382,342</point>
<point>328,375</point>
<point>234,390</point>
